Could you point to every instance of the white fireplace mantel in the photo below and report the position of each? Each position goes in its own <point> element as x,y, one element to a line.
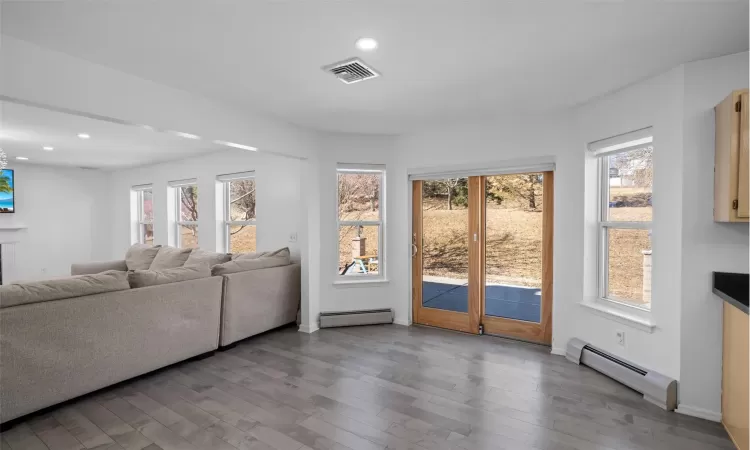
<point>10,234</point>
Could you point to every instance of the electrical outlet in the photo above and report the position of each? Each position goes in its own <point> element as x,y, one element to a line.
<point>292,237</point>
<point>620,338</point>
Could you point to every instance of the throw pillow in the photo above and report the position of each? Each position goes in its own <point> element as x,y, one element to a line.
<point>143,278</point>
<point>140,256</point>
<point>199,256</point>
<point>169,258</point>
<point>78,286</point>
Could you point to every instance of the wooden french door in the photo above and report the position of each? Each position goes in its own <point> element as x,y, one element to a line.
<point>479,266</point>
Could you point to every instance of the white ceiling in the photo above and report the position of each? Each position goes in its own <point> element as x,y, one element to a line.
<point>441,60</point>
<point>25,130</point>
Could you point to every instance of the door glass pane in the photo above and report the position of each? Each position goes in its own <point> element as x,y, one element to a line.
<point>513,246</point>
<point>445,244</point>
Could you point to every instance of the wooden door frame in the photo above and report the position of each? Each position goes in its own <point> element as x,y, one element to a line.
<point>529,331</point>
<point>470,322</point>
<point>430,316</point>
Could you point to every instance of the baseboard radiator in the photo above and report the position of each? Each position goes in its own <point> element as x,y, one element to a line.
<point>353,318</point>
<point>655,387</point>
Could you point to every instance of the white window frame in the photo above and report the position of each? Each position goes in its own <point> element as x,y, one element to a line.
<point>228,222</point>
<point>380,223</point>
<point>602,151</point>
<point>139,190</point>
<point>177,186</point>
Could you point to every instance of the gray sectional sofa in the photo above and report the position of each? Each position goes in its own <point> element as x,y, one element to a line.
<point>60,339</point>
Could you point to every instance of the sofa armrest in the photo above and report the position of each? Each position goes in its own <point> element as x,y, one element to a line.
<point>259,300</point>
<point>98,267</point>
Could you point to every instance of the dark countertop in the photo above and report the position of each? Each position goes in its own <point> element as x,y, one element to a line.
<point>733,288</point>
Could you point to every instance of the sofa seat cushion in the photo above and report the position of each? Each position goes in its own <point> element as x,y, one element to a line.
<point>78,286</point>
<point>200,256</point>
<point>144,278</point>
<point>273,259</point>
<point>140,256</point>
<point>169,258</point>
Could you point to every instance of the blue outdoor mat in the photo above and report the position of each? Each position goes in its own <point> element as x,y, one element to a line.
<point>512,302</point>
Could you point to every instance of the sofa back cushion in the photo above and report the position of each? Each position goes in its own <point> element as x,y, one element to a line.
<point>199,256</point>
<point>169,258</point>
<point>140,256</point>
<point>78,286</point>
<point>144,278</point>
<point>272,259</point>
<point>236,256</point>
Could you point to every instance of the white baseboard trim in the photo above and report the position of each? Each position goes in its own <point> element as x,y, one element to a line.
<point>405,323</point>
<point>701,413</point>
<point>558,351</point>
<point>308,328</point>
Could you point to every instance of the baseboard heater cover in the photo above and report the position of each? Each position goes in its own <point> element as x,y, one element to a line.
<point>655,387</point>
<point>353,318</point>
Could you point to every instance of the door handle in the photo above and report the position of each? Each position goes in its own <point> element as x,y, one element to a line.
<point>414,250</point>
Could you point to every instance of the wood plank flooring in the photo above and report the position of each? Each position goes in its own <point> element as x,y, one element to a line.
<point>369,388</point>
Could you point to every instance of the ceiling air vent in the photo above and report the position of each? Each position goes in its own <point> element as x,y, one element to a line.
<point>352,70</point>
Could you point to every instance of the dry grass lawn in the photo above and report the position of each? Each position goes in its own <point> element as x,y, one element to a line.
<point>514,243</point>
<point>243,241</point>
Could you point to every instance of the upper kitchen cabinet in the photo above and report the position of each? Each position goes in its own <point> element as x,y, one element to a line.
<point>731,187</point>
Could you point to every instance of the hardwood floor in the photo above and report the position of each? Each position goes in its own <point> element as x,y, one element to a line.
<point>362,388</point>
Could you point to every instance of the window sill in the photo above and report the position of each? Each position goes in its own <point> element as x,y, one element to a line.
<point>361,283</point>
<point>609,312</point>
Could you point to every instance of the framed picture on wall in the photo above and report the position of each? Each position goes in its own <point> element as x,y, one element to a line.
<point>7,192</point>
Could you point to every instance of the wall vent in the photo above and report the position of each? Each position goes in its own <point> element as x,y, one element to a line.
<point>655,387</point>
<point>352,70</point>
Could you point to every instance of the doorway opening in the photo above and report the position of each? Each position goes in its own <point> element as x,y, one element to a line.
<point>482,254</point>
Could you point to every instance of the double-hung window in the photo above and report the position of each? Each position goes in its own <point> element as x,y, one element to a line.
<point>145,212</point>
<point>239,212</point>
<point>186,214</point>
<point>626,177</point>
<point>361,221</point>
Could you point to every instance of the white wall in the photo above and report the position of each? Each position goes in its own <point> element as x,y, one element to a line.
<point>656,102</point>
<point>495,143</point>
<point>278,204</point>
<point>706,246</point>
<point>62,209</point>
<point>355,149</point>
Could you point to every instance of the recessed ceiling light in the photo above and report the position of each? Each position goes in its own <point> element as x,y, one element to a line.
<point>83,135</point>
<point>48,148</point>
<point>22,158</point>
<point>366,44</point>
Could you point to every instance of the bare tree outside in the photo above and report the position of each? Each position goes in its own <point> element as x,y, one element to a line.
<point>358,200</point>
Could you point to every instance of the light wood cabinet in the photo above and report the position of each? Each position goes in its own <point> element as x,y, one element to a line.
<point>731,185</point>
<point>735,394</point>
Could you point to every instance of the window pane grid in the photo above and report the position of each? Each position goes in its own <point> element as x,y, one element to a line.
<point>186,223</point>
<point>360,222</point>
<point>625,224</point>
<point>239,215</point>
